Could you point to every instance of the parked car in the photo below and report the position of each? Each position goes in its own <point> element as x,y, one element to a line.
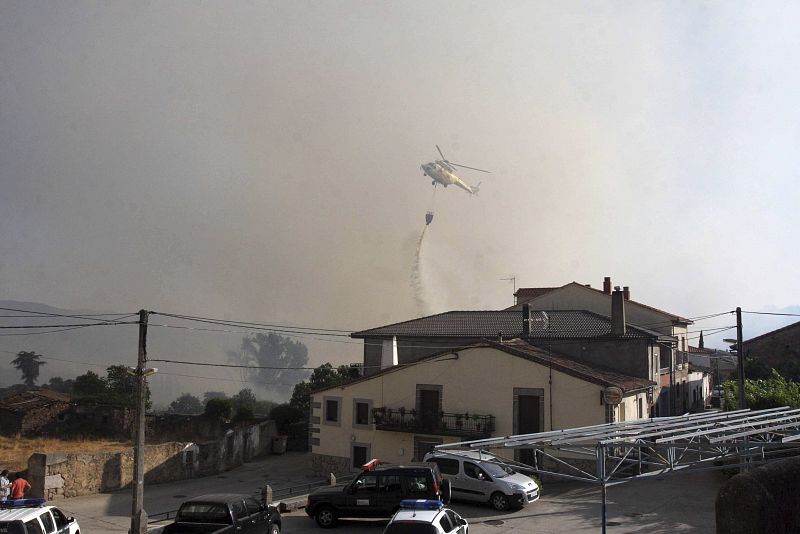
<point>377,492</point>
<point>35,516</point>
<point>224,513</point>
<point>426,517</point>
<point>482,477</point>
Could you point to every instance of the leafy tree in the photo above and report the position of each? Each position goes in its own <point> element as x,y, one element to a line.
<point>243,413</point>
<point>282,356</point>
<point>121,387</point>
<point>285,415</point>
<point>59,384</point>
<point>186,403</point>
<point>89,386</point>
<point>264,407</point>
<point>762,393</point>
<point>244,399</point>
<point>28,364</point>
<point>117,388</point>
<point>218,409</point>
<point>323,376</point>
<point>208,395</point>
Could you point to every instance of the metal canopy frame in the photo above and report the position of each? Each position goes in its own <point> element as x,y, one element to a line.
<point>631,450</point>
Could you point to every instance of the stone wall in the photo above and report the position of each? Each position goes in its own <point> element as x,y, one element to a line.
<point>55,476</point>
<point>325,464</point>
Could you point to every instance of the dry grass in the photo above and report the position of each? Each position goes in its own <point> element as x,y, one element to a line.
<point>14,452</point>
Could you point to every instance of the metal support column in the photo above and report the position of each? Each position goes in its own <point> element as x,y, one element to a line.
<point>601,476</point>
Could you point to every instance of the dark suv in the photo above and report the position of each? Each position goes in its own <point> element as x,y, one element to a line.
<point>377,492</point>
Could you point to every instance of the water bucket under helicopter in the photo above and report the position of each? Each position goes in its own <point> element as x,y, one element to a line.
<point>428,218</point>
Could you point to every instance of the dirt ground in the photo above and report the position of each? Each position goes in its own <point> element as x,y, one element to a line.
<point>14,452</point>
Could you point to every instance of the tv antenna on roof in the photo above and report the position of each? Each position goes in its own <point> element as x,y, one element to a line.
<point>513,279</point>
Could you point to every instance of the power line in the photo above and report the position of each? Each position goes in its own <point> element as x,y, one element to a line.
<point>41,333</point>
<point>226,322</point>
<point>236,366</point>
<point>249,331</point>
<point>773,313</point>
<point>66,325</point>
<point>93,317</point>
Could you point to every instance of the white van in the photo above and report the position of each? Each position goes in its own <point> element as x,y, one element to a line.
<point>481,477</point>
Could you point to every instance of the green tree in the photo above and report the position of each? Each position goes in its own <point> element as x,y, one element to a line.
<point>59,384</point>
<point>90,386</point>
<point>218,409</point>
<point>324,376</point>
<point>186,403</point>
<point>762,393</point>
<point>28,364</point>
<point>244,399</point>
<point>243,413</point>
<point>121,387</point>
<point>281,357</point>
<point>208,395</point>
<point>285,415</point>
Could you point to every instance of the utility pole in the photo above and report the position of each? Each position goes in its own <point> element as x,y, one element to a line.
<point>740,355</point>
<point>138,515</point>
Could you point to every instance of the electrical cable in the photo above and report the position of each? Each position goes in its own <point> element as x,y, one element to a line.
<point>226,322</point>
<point>87,317</point>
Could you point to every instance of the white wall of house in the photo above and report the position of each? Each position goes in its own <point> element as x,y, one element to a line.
<point>478,381</point>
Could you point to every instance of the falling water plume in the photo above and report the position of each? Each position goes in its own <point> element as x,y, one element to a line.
<point>416,276</point>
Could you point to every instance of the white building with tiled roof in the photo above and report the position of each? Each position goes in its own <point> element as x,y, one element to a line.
<point>489,389</point>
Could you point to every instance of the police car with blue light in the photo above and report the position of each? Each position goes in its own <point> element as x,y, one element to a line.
<point>426,517</point>
<point>34,516</point>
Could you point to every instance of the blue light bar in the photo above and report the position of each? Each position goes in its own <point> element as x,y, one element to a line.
<point>21,503</point>
<point>420,504</point>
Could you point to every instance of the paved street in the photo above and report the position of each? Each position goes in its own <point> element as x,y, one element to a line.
<point>679,503</point>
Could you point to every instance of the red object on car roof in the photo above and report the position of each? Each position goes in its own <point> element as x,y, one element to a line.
<point>372,464</point>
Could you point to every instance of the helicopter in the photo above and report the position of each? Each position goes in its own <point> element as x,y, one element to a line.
<point>443,172</point>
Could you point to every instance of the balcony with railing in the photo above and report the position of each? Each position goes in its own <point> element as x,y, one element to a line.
<point>464,425</point>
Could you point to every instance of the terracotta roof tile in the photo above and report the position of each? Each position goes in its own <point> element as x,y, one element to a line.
<point>560,324</point>
<point>523,349</point>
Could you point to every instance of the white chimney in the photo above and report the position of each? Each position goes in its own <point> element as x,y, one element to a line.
<point>389,353</point>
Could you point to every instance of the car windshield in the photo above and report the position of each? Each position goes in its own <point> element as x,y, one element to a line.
<point>201,512</point>
<point>494,470</point>
<point>409,527</point>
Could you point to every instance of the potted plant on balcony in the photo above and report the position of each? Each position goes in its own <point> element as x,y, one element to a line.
<point>459,421</point>
<point>413,414</point>
<point>402,412</point>
<point>378,415</point>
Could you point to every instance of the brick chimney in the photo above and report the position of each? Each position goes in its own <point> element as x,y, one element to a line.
<point>607,285</point>
<point>526,321</point>
<point>626,292</point>
<point>618,327</point>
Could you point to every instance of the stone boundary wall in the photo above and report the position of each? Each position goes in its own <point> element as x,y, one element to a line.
<point>58,476</point>
<point>325,464</point>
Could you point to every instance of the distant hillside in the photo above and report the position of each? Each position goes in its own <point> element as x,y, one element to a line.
<point>100,346</point>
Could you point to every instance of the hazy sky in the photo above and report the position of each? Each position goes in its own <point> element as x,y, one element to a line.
<point>260,160</point>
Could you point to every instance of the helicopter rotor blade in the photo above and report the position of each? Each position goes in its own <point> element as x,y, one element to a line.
<point>440,153</point>
<point>466,167</point>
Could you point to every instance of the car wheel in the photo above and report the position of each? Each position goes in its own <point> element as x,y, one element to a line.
<point>326,517</point>
<point>498,501</point>
<point>274,529</point>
